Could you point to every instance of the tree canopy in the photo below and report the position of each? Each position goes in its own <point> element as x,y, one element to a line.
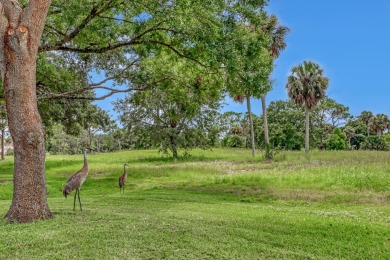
<point>175,113</point>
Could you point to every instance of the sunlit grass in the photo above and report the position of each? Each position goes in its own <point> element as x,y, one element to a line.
<point>220,204</point>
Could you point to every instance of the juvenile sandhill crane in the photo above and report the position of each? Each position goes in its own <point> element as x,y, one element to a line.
<point>123,178</point>
<point>77,180</point>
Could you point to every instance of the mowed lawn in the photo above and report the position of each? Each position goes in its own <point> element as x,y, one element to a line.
<point>218,204</point>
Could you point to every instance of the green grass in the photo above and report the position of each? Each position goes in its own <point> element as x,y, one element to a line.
<point>219,204</point>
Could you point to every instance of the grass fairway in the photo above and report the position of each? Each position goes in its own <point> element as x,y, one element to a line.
<point>219,204</point>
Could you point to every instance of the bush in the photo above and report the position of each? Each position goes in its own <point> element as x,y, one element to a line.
<point>233,141</point>
<point>337,140</point>
<point>374,143</point>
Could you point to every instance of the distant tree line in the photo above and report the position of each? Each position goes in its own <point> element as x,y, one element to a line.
<point>332,127</point>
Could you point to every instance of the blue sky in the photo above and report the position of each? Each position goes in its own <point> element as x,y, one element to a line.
<point>350,39</point>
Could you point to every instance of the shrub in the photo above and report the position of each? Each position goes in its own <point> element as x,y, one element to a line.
<point>374,143</point>
<point>337,140</point>
<point>233,141</point>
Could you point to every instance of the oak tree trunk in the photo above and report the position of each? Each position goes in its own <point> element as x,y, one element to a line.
<point>20,33</point>
<point>173,141</point>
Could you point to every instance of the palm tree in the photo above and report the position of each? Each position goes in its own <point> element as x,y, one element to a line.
<point>365,117</point>
<point>306,86</point>
<point>278,42</point>
<point>379,123</point>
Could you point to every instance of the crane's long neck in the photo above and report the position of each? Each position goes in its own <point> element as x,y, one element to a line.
<point>85,159</point>
<point>124,168</point>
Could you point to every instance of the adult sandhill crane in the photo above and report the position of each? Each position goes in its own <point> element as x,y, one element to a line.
<point>123,178</point>
<point>77,180</point>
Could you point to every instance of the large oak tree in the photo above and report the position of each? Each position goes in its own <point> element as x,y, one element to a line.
<point>20,33</point>
<point>70,40</point>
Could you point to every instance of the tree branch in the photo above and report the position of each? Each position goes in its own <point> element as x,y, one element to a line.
<point>75,94</point>
<point>68,37</point>
<point>33,19</point>
<point>115,19</point>
<point>127,43</point>
<point>56,30</point>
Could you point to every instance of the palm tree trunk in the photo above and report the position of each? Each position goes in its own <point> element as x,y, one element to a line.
<point>265,120</point>
<point>307,122</point>
<point>2,144</point>
<point>248,103</point>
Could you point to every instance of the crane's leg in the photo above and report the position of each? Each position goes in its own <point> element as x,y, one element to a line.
<point>80,200</point>
<point>74,201</point>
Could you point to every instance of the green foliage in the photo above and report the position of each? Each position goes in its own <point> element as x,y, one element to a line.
<point>325,117</point>
<point>337,140</point>
<point>177,113</point>
<point>330,112</point>
<point>375,143</point>
<point>60,142</point>
<point>360,132</point>
<point>118,40</point>
<point>386,137</point>
<point>233,141</point>
<point>246,56</point>
<point>286,125</point>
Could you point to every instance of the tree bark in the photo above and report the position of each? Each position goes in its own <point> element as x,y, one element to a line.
<point>20,32</point>
<point>252,136</point>
<point>307,135</point>
<point>265,120</point>
<point>173,146</point>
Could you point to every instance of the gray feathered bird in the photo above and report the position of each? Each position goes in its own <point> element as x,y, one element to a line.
<point>77,179</point>
<point>123,178</point>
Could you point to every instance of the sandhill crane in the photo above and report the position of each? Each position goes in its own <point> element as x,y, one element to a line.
<point>77,180</point>
<point>123,178</point>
